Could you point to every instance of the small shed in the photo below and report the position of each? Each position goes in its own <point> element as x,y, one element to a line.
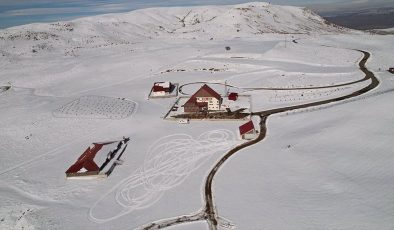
<point>247,131</point>
<point>161,88</point>
<point>233,96</point>
<point>391,70</point>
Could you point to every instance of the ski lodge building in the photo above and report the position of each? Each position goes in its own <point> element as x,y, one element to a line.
<point>205,99</point>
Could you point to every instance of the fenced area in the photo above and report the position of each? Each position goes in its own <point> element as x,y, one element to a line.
<point>173,92</point>
<point>97,107</point>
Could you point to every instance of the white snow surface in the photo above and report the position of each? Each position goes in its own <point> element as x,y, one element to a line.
<point>386,30</point>
<point>319,168</point>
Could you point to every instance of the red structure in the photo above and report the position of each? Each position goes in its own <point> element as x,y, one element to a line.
<point>233,96</point>
<point>85,165</point>
<point>247,131</point>
<point>162,87</point>
<point>204,99</point>
<point>192,106</point>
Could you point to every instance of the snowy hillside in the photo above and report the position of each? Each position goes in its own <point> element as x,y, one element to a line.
<point>207,22</point>
<point>318,95</point>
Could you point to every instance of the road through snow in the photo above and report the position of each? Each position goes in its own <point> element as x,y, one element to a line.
<point>209,213</point>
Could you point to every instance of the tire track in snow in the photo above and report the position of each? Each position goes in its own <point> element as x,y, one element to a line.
<point>168,163</point>
<point>36,158</point>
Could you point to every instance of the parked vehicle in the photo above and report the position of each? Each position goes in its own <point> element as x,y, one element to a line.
<point>184,121</point>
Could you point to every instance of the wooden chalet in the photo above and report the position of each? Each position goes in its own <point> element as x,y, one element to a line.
<point>205,99</point>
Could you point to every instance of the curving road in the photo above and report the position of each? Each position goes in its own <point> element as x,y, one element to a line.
<point>209,204</point>
<point>209,212</point>
<point>272,88</point>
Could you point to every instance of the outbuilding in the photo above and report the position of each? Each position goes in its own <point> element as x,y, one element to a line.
<point>161,88</point>
<point>233,96</point>
<point>247,131</point>
<point>85,165</point>
<point>104,153</point>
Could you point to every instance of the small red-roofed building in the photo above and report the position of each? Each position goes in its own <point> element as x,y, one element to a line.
<point>233,96</point>
<point>247,131</point>
<point>161,88</point>
<point>95,159</point>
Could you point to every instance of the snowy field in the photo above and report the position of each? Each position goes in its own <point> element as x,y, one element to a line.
<point>324,168</point>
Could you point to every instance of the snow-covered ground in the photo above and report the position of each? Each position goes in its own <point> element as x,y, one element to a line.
<point>388,30</point>
<point>384,31</point>
<point>326,168</point>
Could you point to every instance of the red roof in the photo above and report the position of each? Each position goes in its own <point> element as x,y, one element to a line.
<point>206,91</point>
<point>192,101</point>
<point>86,160</point>
<point>161,86</point>
<point>233,96</point>
<point>245,128</point>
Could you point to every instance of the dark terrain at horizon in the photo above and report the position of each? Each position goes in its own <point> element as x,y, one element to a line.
<point>364,20</point>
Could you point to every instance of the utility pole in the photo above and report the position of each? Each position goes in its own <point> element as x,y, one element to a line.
<point>285,41</point>
<point>225,88</point>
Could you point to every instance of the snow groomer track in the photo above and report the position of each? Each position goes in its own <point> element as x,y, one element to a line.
<point>168,163</point>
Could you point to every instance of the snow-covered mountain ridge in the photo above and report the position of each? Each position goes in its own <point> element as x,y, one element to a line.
<point>206,22</point>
